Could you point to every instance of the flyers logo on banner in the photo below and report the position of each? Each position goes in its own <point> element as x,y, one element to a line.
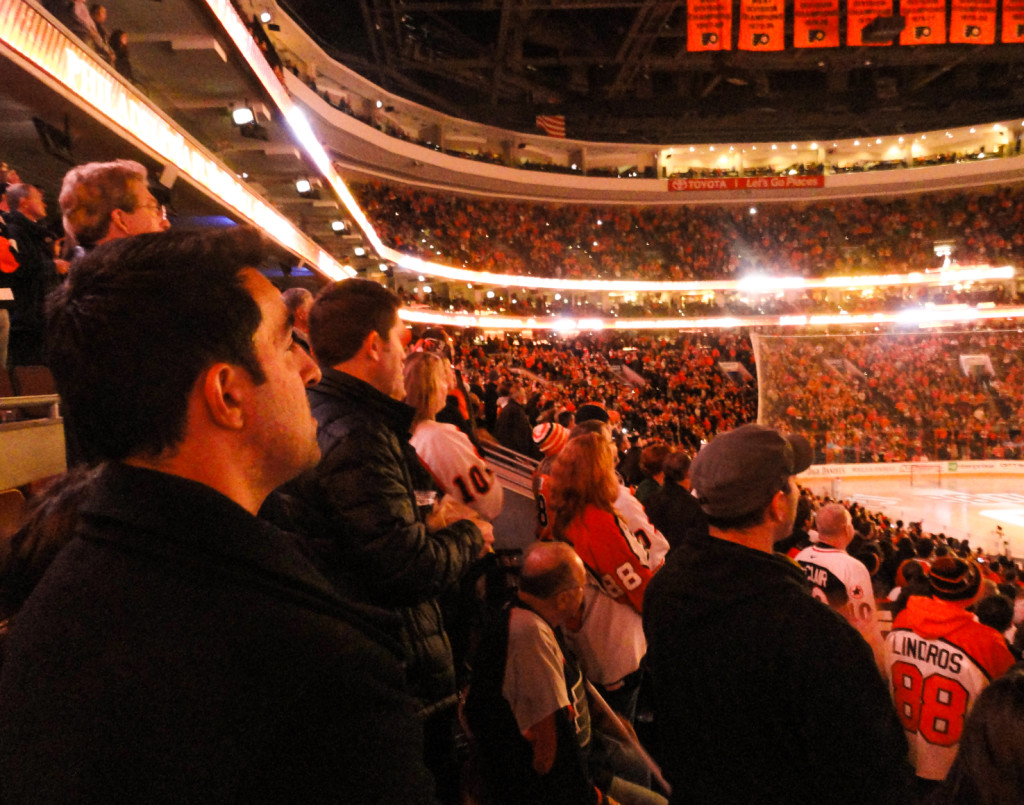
<point>859,13</point>
<point>1013,21</point>
<point>926,22</point>
<point>816,24</point>
<point>972,22</point>
<point>762,25</point>
<point>708,25</point>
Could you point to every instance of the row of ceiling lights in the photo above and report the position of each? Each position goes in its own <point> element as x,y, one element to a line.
<point>857,143</point>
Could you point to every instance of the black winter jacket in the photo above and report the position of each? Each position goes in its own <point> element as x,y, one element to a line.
<point>358,509</point>
<point>179,650</point>
<point>763,693</point>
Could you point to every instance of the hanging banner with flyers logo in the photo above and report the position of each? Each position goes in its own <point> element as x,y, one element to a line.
<point>708,25</point>
<point>926,22</point>
<point>762,25</point>
<point>972,22</point>
<point>1013,22</point>
<point>816,24</point>
<point>861,12</point>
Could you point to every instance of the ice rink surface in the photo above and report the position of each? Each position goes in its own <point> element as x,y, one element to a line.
<point>966,507</point>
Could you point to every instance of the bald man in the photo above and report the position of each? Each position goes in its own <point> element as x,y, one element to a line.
<point>837,578</point>
<point>528,703</point>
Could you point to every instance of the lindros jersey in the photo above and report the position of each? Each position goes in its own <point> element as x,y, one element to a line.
<point>939,658</point>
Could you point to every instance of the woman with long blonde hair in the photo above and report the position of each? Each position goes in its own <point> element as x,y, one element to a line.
<point>610,641</point>
<point>446,452</point>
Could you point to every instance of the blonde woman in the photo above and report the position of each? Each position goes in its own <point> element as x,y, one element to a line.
<point>446,452</point>
<point>610,642</point>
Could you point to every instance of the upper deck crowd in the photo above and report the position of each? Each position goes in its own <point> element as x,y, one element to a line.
<point>707,242</point>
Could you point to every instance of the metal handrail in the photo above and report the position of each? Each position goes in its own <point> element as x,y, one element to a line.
<point>52,400</point>
<point>513,469</point>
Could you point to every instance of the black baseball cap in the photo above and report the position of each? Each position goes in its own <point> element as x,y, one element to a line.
<point>738,472</point>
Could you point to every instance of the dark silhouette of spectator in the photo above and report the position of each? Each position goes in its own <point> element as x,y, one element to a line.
<point>122,58</point>
<point>37,273</point>
<point>652,460</point>
<point>673,509</point>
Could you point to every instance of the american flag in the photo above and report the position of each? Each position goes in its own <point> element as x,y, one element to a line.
<point>552,125</point>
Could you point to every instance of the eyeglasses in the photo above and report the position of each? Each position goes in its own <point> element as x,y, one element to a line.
<point>160,209</point>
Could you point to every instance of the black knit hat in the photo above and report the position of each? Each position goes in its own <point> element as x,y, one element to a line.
<point>589,411</point>
<point>953,579</point>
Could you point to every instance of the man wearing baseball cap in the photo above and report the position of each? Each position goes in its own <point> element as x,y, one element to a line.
<point>938,659</point>
<point>761,693</point>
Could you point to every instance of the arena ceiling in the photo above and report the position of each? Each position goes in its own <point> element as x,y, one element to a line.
<point>620,71</point>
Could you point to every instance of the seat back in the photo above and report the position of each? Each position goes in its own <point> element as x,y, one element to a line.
<point>32,380</point>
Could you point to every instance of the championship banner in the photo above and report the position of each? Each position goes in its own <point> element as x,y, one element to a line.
<point>708,25</point>
<point>1013,22</point>
<point>762,25</point>
<point>972,22</point>
<point>816,24</point>
<point>926,22</point>
<point>746,183</point>
<point>858,14</point>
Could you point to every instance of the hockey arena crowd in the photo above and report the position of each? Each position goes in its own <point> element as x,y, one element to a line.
<point>279,566</point>
<point>573,241</point>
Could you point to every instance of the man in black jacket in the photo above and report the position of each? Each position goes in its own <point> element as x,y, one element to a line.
<point>359,506</point>
<point>179,649</point>
<point>513,427</point>
<point>673,509</point>
<point>761,693</point>
<point>36,275</point>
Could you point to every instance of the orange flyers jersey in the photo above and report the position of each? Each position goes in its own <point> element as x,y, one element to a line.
<point>612,554</point>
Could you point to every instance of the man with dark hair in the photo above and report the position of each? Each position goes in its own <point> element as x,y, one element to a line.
<point>359,505</point>
<point>37,273</point>
<point>103,201</point>
<point>179,648</point>
<point>347,313</point>
<point>673,509</point>
<point>761,694</point>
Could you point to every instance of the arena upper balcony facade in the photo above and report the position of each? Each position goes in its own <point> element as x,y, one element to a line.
<point>409,153</point>
<point>326,125</point>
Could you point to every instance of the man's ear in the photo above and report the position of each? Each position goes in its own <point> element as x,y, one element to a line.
<point>779,506</point>
<point>223,390</point>
<point>117,220</point>
<point>373,346</point>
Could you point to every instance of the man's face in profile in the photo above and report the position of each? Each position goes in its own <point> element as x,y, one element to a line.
<point>280,419</point>
<point>149,214</point>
